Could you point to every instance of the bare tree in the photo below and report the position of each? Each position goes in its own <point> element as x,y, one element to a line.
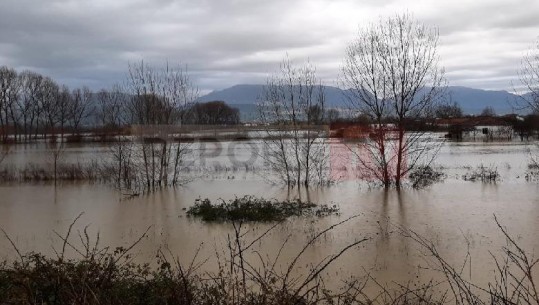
<point>157,103</point>
<point>9,94</point>
<point>42,89</point>
<point>80,107</point>
<point>529,77</point>
<point>63,104</point>
<point>391,69</point>
<point>31,103</point>
<point>111,107</point>
<point>111,115</point>
<point>450,109</point>
<point>488,111</point>
<point>56,151</point>
<point>28,104</point>
<point>50,92</point>
<point>287,107</point>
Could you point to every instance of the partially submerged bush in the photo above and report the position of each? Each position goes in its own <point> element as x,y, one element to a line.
<point>250,208</point>
<point>108,276</point>
<point>514,279</point>
<point>33,172</point>
<point>483,174</point>
<point>423,176</point>
<point>532,175</point>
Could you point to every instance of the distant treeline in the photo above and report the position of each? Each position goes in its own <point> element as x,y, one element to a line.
<point>34,106</point>
<point>212,113</point>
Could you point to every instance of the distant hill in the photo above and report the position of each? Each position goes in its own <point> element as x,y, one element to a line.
<point>249,94</point>
<point>238,94</point>
<point>248,112</point>
<point>472,101</point>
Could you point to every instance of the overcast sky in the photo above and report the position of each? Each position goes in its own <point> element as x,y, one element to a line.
<point>227,42</point>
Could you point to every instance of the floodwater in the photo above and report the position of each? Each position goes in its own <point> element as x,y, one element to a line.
<point>456,215</point>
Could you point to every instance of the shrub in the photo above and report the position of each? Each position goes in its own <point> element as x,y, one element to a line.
<point>483,174</point>
<point>423,176</point>
<point>250,208</point>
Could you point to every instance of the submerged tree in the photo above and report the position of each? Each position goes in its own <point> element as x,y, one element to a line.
<point>49,104</point>
<point>392,71</point>
<point>111,105</point>
<point>28,105</point>
<point>9,94</point>
<point>291,106</point>
<point>32,104</point>
<point>80,107</point>
<point>529,77</point>
<point>158,98</point>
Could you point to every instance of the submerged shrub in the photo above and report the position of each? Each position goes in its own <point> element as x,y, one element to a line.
<point>250,208</point>
<point>532,173</point>
<point>483,174</point>
<point>423,176</point>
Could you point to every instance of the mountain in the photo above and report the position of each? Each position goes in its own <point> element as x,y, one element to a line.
<point>248,112</point>
<point>249,94</point>
<point>238,94</point>
<point>472,101</point>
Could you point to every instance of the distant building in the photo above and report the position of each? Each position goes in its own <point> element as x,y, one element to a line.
<point>486,128</point>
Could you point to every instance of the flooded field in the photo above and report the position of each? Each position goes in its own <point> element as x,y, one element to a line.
<point>457,215</point>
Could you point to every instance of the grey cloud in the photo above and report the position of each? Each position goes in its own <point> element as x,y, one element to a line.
<point>225,42</point>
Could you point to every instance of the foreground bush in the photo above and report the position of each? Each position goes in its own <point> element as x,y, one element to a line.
<point>250,208</point>
<point>107,276</point>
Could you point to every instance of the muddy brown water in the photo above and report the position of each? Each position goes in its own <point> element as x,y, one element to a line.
<point>456,215</point>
